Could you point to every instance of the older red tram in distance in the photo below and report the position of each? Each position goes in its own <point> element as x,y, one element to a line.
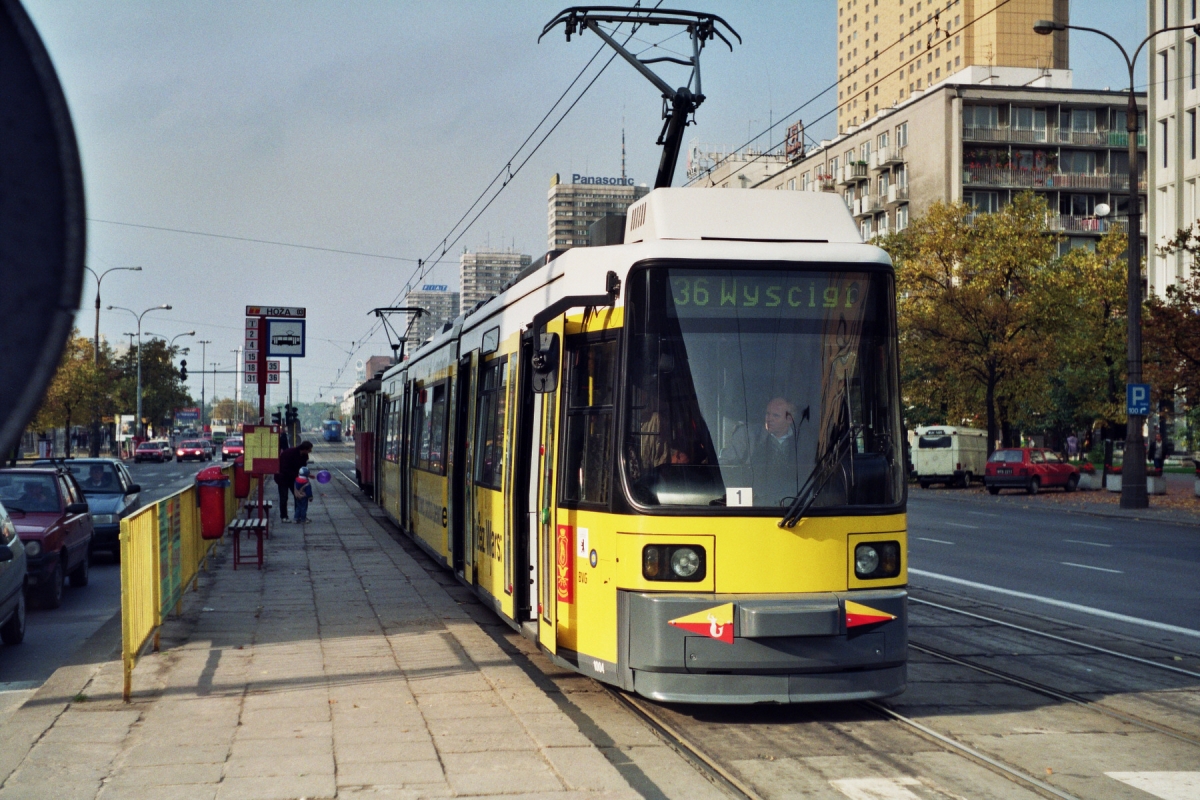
<point>675,463</point>
<point>366,423</point>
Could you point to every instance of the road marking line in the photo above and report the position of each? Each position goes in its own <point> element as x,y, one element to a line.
<point>939,541</point>
<point>876,788</point>
<point>1081,541</point>
<point>1085,525</point>
<point>983,514</point>
<point>1050,601</point>
<point>1085,566</point>
<point>961,525</point>
<point>1166,785</point>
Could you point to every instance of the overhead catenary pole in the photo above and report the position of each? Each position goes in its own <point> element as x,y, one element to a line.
<point>1133,469</point>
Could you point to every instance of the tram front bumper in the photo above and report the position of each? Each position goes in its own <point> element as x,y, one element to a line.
<point>791,648</point>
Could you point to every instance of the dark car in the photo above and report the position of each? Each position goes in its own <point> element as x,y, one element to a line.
<point>1028,468</point>
<point>150,451</point>
<point>53,521</point>
<point>12,582</point>
<point>111,495</point>
<point>232,447</point>
<point>193,450</point>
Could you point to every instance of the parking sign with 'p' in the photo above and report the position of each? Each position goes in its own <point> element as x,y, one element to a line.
<point>1137,399</point>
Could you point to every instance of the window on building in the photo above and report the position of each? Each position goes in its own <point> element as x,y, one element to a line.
<point>882,141</point>
<point>1163,77</point>
<point>591,394</point>
<point>884,181</point>
<point>864,152</point>
<point>1163,130</point>
<point>1077,205</point>
<point>902,217</point>
<point>1191,49</point>
<point>983,202</point>
<point>1077,162</point>
<point>1191,133</point>
<point>833,166</point>
<point>1030,119</point>
<point>804,182</point>
<point>981,117</point>
<point>900,176</point>
<point>864,228</point>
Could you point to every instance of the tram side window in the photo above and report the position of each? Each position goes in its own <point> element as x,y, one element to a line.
<point>429,429</point>
<point>591,395</point>
<point>489,425</point>
<point>392,448</point>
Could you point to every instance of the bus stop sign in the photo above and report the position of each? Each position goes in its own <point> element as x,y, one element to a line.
<point>1137,399</point>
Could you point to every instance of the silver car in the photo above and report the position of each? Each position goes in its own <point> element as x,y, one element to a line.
<point>12,582</point>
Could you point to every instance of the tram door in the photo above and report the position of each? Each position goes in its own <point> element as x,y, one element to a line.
<point>460,476</point>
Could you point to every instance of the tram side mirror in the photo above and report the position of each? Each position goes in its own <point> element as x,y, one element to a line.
<point>545,363</point>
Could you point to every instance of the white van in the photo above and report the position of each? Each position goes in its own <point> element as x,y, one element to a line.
<point>950,455</point>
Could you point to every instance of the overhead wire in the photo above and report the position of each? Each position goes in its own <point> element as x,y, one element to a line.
<point>772,148</point>
<point>508,173</point>
<point>899,42</point>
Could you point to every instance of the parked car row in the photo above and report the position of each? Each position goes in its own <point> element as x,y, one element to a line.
<point>53,516</point>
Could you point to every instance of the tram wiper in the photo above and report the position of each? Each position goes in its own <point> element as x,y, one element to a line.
<point>825,468</point>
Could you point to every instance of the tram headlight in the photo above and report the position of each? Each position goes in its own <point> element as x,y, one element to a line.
<point>666,562</point>
<point>685,562</point>
<point>877,560</point>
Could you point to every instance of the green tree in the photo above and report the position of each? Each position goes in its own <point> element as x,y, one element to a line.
<point>976,310</point>
<point>79,388</point>
<point>162,391</point>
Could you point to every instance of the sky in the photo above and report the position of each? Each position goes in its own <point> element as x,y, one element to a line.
<point>372,127</point>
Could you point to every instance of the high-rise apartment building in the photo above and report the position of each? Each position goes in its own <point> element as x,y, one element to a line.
<point>484,273</point>
<point>576,205</point>
<point>889,49</point>
<point>1174,101</point>
<point>440,306</point>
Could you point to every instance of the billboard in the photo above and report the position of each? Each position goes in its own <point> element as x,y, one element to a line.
<point>185,417</point>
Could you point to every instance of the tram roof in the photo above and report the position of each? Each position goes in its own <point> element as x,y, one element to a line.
<point>683,224</point>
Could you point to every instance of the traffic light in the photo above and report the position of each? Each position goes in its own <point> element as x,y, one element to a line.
<point>183,370</point>
<point>276,418</point>
<point>293,414</point>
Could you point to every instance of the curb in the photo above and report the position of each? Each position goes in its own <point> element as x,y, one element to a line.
<point>37,714</point>
<point>1171,520</point>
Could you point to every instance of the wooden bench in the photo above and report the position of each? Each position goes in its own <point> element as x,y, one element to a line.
<point>251,527</point>
<point>251,509</point>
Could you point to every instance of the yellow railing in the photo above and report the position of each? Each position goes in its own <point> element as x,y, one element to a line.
<point>161,553</point>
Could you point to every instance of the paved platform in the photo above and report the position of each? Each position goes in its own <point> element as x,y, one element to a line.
<point>341,670</point>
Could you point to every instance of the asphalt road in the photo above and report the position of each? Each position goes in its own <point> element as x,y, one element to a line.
<point>1086,569</point>
<point>53,636</point>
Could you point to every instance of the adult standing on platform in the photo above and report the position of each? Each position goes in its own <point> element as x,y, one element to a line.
<point>290,462</point>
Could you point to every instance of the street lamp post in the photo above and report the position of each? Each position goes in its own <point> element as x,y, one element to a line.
<point>203,349</point>
<point>138,317</point>
<point>94,445</point>
<point>1133,471</point>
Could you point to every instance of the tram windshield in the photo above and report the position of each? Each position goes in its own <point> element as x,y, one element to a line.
<point>741,380</point>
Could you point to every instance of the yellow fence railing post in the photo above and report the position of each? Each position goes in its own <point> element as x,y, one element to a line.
<point>151,565</point>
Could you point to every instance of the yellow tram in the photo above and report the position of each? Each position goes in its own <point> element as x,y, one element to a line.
<point>676,462</point>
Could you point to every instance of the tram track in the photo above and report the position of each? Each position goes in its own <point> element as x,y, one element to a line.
<point>724,777</point>
<point>1058,694</point>
<point>1065,640</point>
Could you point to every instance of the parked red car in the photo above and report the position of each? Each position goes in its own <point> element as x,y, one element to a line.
<point>1028,468</point>
<point>52,520</point>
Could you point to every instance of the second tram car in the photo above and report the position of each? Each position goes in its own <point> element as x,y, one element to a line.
<point>366,428</point>
<point>675,463</point>
<point>331,430</point>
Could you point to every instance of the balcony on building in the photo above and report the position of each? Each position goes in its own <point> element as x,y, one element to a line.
<point>1034,178</point>
<point>854,172</point>
<point>887,156</point>
<point>897,194</point>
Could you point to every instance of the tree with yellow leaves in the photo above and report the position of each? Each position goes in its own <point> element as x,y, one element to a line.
<point>978,305</point>
<point>79,387</point>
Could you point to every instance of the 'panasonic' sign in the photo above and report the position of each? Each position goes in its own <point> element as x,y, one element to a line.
<point>577,178</point>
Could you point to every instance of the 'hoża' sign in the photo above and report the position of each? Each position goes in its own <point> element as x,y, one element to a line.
<point>601,181</point>
<point>435,287</point>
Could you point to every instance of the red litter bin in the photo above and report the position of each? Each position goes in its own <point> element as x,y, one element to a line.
<point>241,478</point>
<point>211,484</point>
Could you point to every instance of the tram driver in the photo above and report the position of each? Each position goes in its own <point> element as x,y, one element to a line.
<point>774,455</point>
